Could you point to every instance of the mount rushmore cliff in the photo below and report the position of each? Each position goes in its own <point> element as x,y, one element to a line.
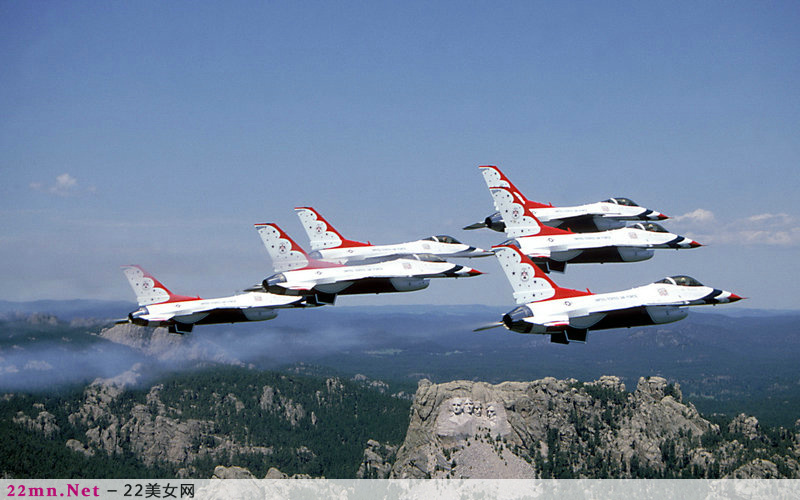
<point>564,428</point>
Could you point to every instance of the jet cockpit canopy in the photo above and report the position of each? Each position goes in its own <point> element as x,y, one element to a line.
<point>622,201</point>
<point>443,238</point>
<point>681,280</point>
<point>650,226</point>
<point>510,243</point>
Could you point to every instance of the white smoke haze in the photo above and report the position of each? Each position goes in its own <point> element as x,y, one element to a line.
<point>31,365</point>
<point>76,357</point>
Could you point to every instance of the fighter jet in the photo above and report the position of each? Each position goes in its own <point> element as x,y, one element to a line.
<point>329,245</point>
<point>160,307</point>
<point>600,216</point>
<point>552,248</point>
<point>297,273</point>
<point>567,315</point>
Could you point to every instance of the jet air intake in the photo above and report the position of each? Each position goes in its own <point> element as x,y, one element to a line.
<point>514,320</point>
<point>272,284</point>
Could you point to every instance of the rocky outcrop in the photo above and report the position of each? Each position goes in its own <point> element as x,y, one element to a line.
<point>378,460</point>
<point>272,400</point>
<point>45,422</point>
<point>151,430</point>
<point>158,438</point>
<point>564,428</point>
<point>274,473</point>
<point>159,343</point>
<point>75,445</point>
<point>747,426</point>
<point>756,469</point>
<point>378,385</point>
<point>222,472</point>
<point>97,412</point>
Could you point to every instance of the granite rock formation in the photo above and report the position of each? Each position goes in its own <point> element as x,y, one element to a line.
<point>564,428</point>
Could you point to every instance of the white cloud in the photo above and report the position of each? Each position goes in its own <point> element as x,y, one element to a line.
<point>773,218</point>
<point>699,216</point>
<point>64,182</point>
<point>761,229</point>
<point>64,185</point>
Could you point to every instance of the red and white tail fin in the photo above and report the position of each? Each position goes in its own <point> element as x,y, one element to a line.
<point>148,289</point>
<point>530,284</point>
<point>286,254</point>
<point>496,179</point>
<point>321,233</point>
<point>518,218</point>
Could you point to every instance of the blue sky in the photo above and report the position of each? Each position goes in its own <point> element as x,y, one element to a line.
<point>157,133</point>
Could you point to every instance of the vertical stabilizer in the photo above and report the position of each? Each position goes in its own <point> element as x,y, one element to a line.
<point>285,253</point>
<point>321,233</point>
<point>496,179</point>
<point>519,219</point>
<point>530,284</point>
<point>148,289</point>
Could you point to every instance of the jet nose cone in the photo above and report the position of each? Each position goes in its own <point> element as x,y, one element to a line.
<point>663,217</point>
<point>474,272</point>
<point>695,244</point>
<point>734,298</point>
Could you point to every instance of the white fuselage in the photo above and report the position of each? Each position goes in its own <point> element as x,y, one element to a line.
<point>402,274</point>
<point>649,304</point>
<point>601,209</point>
<point>343,255</point>
<point>250,306</point>
<point>601,215</point>
<point>636,244</point>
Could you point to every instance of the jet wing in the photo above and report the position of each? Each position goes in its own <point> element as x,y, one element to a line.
<point>552,320</point>
<point>676,303</point>
<point>297,285</point>
<point>304,286</point>
<point>165,317</point>
<point>360,260</point>
<point>578,223</point>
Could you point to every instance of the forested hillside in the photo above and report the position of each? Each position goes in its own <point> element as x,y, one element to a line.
<point>192,422</point>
